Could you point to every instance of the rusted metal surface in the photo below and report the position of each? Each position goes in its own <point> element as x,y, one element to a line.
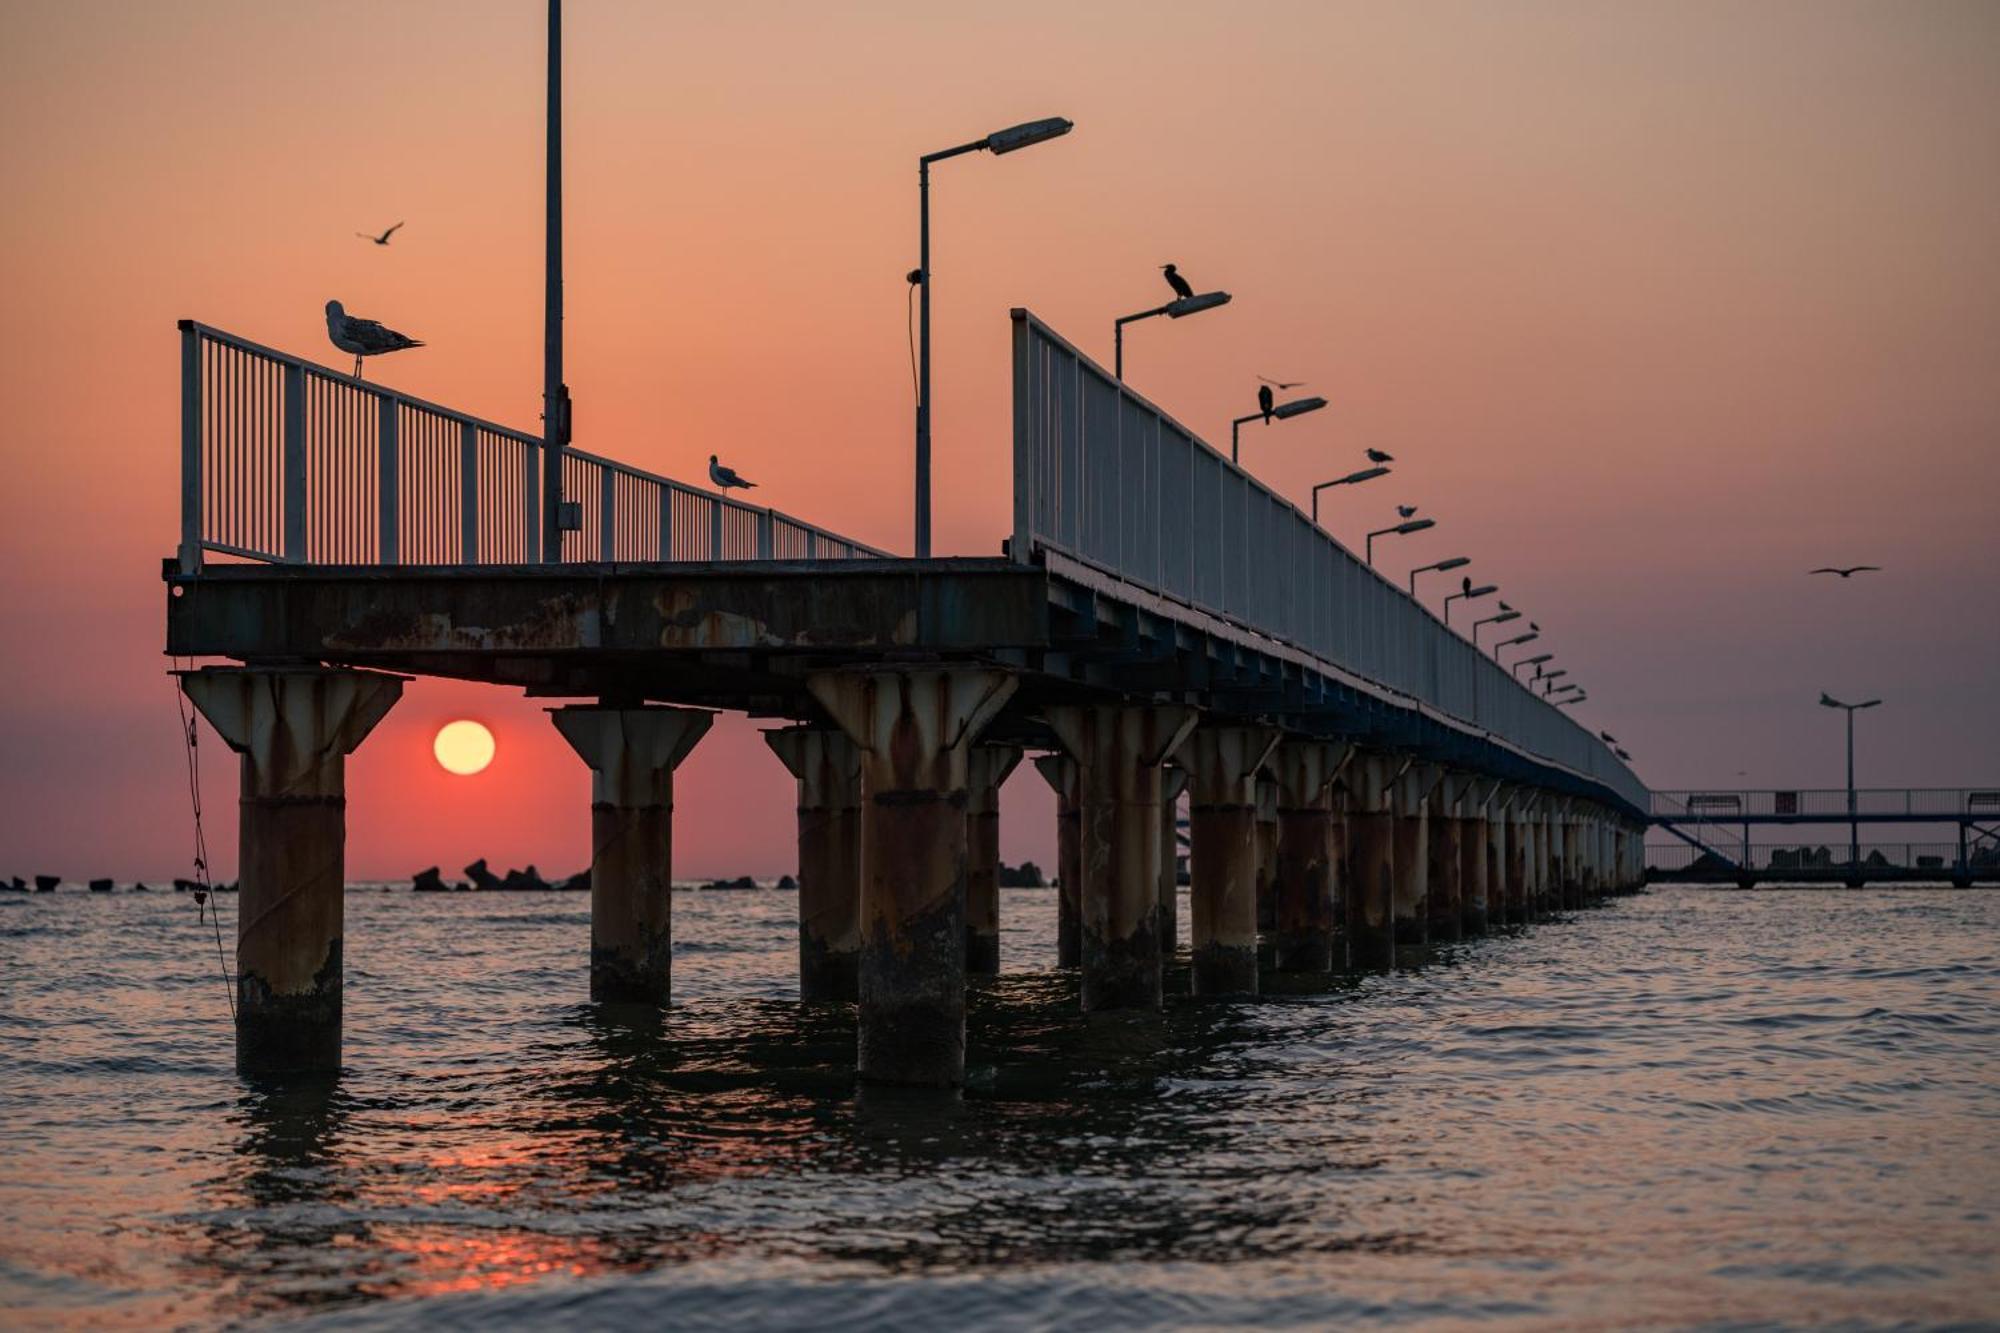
<point>1059,771</point>
<point>1119,750</point>
<point>294,730</point>
<point>914,727</point>
<point>1475,844</point>
<point>1444,899</point>
<point>1411,801</point>
<point>828,768</point>
<point>1267,870</point>
<point>987,767</point>
<point>1371,884</point>
<point>1221,764</point>
<point>1173,785</point>
<point>632,754</point>
<point>1306,869</point>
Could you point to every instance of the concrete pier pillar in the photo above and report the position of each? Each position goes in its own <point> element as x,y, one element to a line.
<point>632,753</point>
<point>987,767</point>
<point>1173,784</point>
<point>1411,799</point>
<point>1059,771</point>
<point>828,769</point>
<point>1444,897</point>
<point>1474,851</point>
<point>1305,770</point>
<point>1521,861</point>
<point>915,727</point>
<point>1569,828</point>
<point>1119,749</point>
<point>1267,868</point>
<point>1222,764</point>
<point>294,729</point>
<point>1370,890</point>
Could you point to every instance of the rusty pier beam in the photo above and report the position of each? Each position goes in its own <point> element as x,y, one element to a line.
<point>1474,844</point>
<point>1370,895</point>
<point>1520,860</point>
<point>1173,785</point>
<point>1411,801</point>
<point>1222,764</point>
<point>987,766</point>
<point>1444,897</point>
<point>1119,749</point>
<point>632,753</point>
<point>1267,867</point>
<point>294,728</point>
<point>915,727</point>
<point>1307,851</point>
<point>1059,771</point>
<point>828,768</point>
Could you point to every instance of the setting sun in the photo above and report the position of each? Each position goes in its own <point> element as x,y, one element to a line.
<point>463,747</point>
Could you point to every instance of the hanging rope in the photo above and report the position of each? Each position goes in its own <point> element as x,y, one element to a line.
<point>191,736</point>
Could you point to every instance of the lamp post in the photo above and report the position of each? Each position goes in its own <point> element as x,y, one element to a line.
<point>1298,407</point>
<point>1414,525</point>
<point>1352,478</point>
<point>555,399</point>
<point>1456,562</point>
<point>1185,306</point>
<point>996,143</point>
<point>1550,678</point>
<point>1529,637</point>
<point>1853,818</point>
<point>1509,614</point>
<point>1534,661</point>
<point>1576,698</point>
<point>1468,593</point>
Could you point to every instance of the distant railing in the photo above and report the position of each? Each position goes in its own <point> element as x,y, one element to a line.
<point>1810,859</point>
<point>284,460</point>
<point>1724,806</point>
<point>1103,476</point>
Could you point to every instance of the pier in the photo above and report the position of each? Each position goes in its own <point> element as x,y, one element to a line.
<point>1360,776</point>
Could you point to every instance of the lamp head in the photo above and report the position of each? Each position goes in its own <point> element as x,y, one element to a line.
<point>1027,135</point>
<point>1415,525</point>
<point>1456,562</point>
<point>1298,406</point>
<point>1194,305</point>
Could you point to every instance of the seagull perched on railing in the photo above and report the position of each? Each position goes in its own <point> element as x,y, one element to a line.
<point>1377,456</point>
<point>1847,573</point>
<point>1174,280</point>
<point>383,239</point>
<point>363,337</point>
<point>726,477</point>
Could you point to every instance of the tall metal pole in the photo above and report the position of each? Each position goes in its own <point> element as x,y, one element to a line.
<point>554,406</point>
<point>923,524</point>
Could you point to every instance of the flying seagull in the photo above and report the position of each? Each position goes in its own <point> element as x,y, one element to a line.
<point>1282,384</point>
<point>1174,280</point>
<point>1847,573</point>
<point>383,239</point>
<point>1265,400</point>
<point>1406,510</point>
<point>726,477</point>
<point>363,337</point>
<point>1377,456</point>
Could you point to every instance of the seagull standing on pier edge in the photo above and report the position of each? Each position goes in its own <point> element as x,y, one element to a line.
<point>363,337</point>
<point>725,477</point>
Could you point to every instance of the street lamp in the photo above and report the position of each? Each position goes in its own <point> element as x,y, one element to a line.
<point>1529,637</point>
<point>1550,678</point>
<point>1365,474</point>
<point>1456,562</point>
<point>1185,306</point>
<point>1509,614</point>
<point>1853,819</point>
<point>996,143</point>
<point>1414,525</point>
<point>1529,661</point>
<point>1298,407</point>
<point>1576,698</point>
<point>1468,593</point>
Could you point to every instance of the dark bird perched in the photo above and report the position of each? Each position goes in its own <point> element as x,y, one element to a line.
<point>726,477</point>
<point>1534,627</point>
<point>1465,585</point>
<point>1177,282</point>
<point>1377,456</point>
<point>1505,607</point>
<point>1847,573</point>
<point>363,337</point>
<point>1282,384</point>
<point>1406,511</point>
<point>1607,738</point>
<point>383,239</point>
<point>1621,754</point>
<point>1265,401</point>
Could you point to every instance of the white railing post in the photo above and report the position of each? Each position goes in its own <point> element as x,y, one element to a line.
<point>295,463</point>
<point>468,493</point>
<point>388,481</point>
<point>191,483</point>
<point>607,514</point>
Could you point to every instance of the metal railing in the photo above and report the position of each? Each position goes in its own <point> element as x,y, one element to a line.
<point>1104,477</point>
<point>1808,859</point>
<point>1722,805</point>
<point>284,460</point>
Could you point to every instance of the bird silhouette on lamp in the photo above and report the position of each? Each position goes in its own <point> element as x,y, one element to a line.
<point>1174,280</point>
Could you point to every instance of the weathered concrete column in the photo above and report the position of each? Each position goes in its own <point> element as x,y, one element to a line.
<point>1569,827</point>
<point>294,729</point>
<point>828,769</point>
<point>1444,898</point>
<point>1370,888</point>
<point>1521,860</point>
<point>632,753</point>
<point>1059,771</point>
<point>1411,800</point>
<point>914,727</point>
<point>1475,841</point>
<point>1222,764</point>
<point>1306,878</point>
<point>1173,782</point>
<point>987,767</point>
<point>1267,868</point>
<point>1119,749</point>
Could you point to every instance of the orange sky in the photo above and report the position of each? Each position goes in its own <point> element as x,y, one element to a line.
<point>1657,305</point>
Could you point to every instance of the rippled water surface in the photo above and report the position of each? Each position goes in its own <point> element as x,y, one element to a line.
<point>1693,1107</point>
